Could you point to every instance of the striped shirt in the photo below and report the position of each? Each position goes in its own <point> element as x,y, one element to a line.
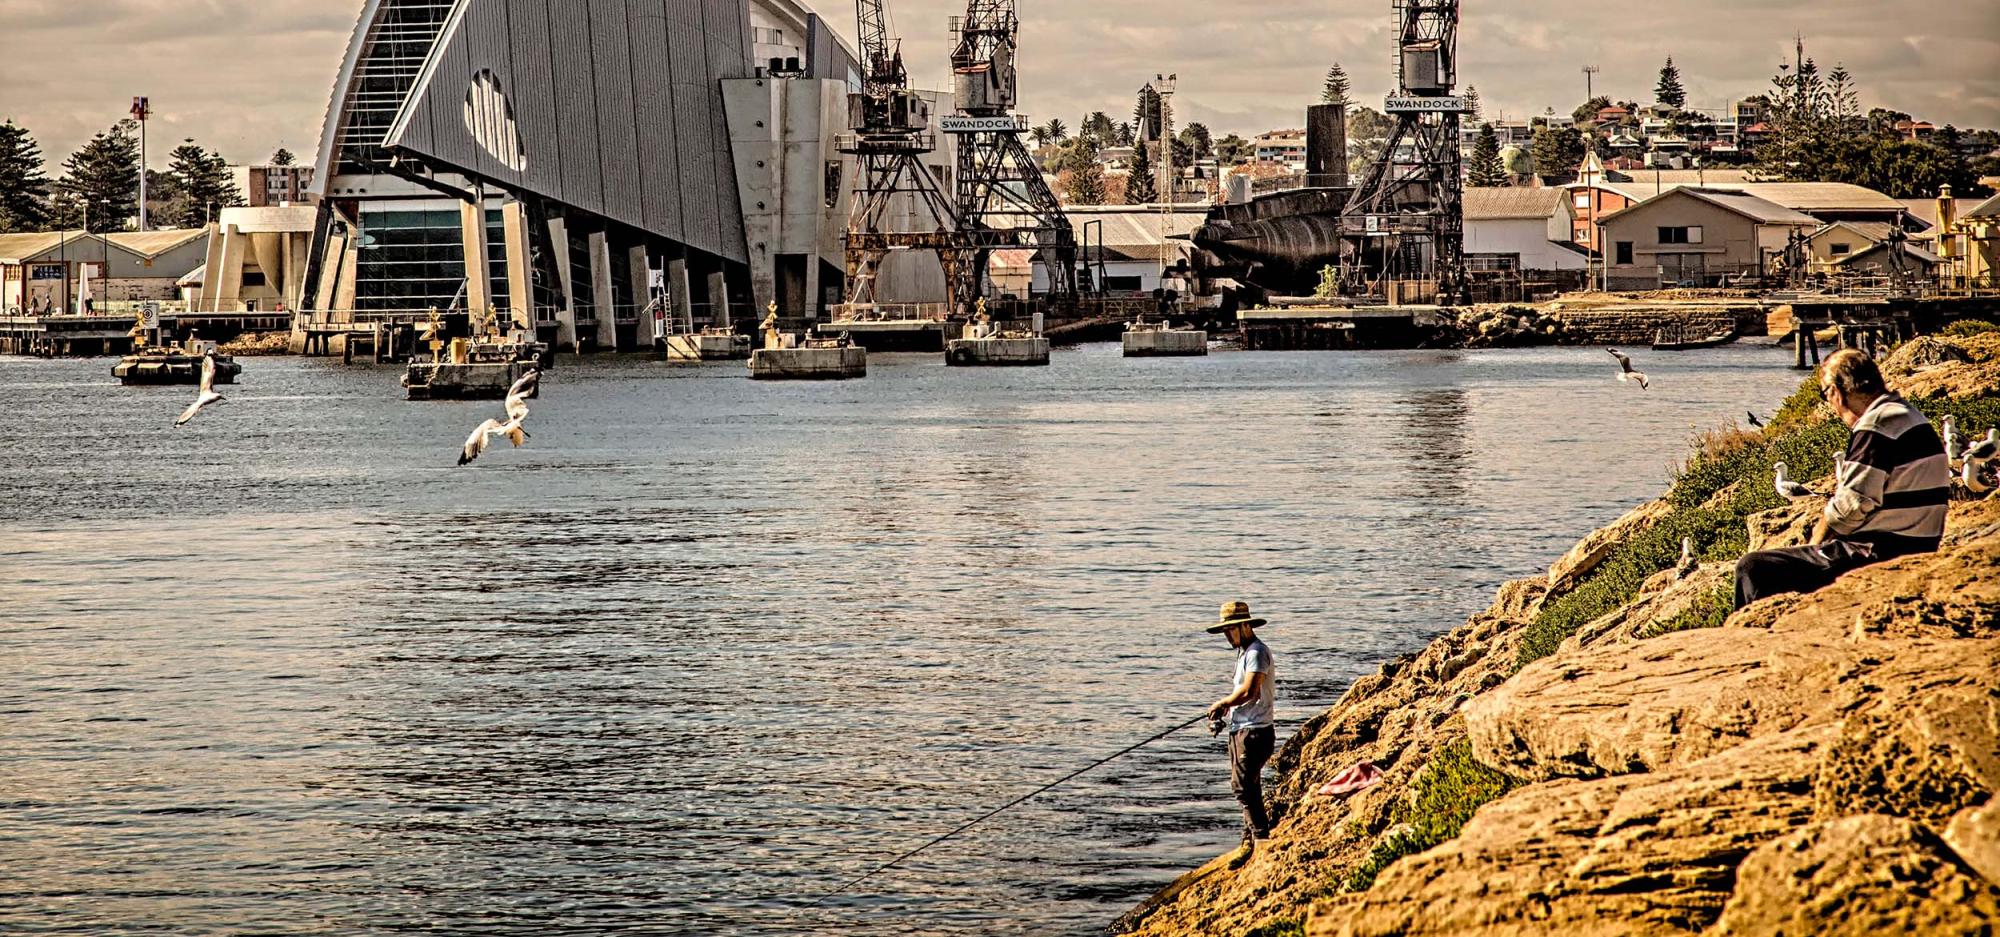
<point>1895,490</point>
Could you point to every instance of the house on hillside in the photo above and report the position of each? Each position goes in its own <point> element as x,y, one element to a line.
<point>1521,228</point>
<point>1697,236</point>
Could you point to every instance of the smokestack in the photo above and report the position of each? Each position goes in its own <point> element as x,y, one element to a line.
<point>1947,213</point>
<point>1326,145</point>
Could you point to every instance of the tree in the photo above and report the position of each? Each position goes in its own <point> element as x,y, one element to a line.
<point>103,177</point>
<point>1040,135</point>
<point>283,157</point>
<point>1099,129</point>
<point>1556,150</point>
<point>1669,90</point>
<point>1474,111</point>
<point>1485,168</point>
<point>1146,113</point>
<point>1199,143</point>
<point>1335,91</point>
<point>24,187</point>
<point>1843,101</point>
<point>1232,149</point>
<point>1057,131</point>
<point>1881,120</point>
<point>1586,112</point>
<point>1139,187</point>
<point>203,176</point>
<point>1083,182</point>
<point>1123,135</point>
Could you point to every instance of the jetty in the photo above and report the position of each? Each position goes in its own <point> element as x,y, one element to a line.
<point>1162,340</point>
<point>468,369</point>
<point>174,364</point>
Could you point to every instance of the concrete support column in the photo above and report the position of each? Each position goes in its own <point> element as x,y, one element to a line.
<point>606,299</point>
<point>520,279</point>
<point>718,298</point>
<point>478,274</point>
<point>812,300</point>
<point>225,283</point>
<point>566,316</point>
<point>677,291</point>
<point>639,273</point>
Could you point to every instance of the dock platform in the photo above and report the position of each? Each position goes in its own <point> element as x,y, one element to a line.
<point>1149,342</point>
<point>809,363</point>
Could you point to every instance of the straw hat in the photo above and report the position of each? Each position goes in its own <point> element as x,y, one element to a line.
<point>1235,613</point>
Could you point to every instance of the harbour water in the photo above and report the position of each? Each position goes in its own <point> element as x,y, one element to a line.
<point>709,647</point>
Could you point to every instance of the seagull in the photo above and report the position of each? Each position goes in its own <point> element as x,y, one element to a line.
<point>1985,449</point>
<point>206,395</point>
<point>1625,372</point>
<point>1754,422</point>
<point>476,443</point>
<point>1785,486</point>
<point>1954,444</point>
<point>517,399</point>
<point>1975,476</point>
<point>1687,561</point>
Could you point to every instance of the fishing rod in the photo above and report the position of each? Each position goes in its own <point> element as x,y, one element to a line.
<point>886,866</point>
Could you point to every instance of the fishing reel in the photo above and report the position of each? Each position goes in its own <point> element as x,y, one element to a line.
<point>1215,726</point>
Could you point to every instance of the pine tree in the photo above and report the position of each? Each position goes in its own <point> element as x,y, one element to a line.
<point>1139,187</point>
<point>203,178</point>
<point>103,176</point>
<point>1336,88</point>
<point>1122,136</point>
<point>283,157</point>
<point>24,187</point>
<point>1557,151</point>
<point>1085,184</point>
<point>1669,90</point>
<point>1485,168</point>
<point>1474,111</point>
<point>1146,114</point>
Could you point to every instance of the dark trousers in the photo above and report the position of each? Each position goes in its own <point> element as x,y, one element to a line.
<point>1797,569</point>
<point>1248,750</point>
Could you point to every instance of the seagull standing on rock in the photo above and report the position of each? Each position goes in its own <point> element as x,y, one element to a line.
<point>1978,471</point>
<point>1687,561</point>
<point>1625,372</point>
<point>206,395</point>
<point>1785,487</point>
<point>1954,444</point>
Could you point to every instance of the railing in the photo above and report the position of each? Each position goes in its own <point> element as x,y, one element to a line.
<point>889,312</point>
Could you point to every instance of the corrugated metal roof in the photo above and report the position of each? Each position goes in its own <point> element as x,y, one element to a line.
<point>1742,203</point>
<point>154,243</point>
<point>1874,231</point>
<point>1495,203</point>
<point>1803,196</point>
<point>1131,232</point>
<point>1985,209</point>
<point>1926,209</point>
<point>1908,248</point>
<point>15,248</point>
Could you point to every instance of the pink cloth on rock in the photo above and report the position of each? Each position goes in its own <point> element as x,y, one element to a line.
<point>1362,775</point>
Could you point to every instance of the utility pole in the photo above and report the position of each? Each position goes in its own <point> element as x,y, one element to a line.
<point>1589,82</point>
<point>142,108</point>
<point>1164,84</point>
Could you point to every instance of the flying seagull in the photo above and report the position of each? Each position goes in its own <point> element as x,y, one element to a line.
<point>1625,372</point>
<point>476,443</point>
<point>1785,486</point>
<point>1754,422</point>
<point>206,395</point>
<point>517,397</point>
<point>1687,563</point>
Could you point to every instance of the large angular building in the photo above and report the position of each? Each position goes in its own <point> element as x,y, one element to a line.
<point>554,160</point>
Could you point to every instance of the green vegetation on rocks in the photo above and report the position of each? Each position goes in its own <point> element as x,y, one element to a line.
<point>1442,799</point>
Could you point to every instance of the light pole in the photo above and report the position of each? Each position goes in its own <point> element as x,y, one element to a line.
<point>1589,82</point>
<point>142,108</point>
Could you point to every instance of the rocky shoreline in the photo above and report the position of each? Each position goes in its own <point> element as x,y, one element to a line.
<point>1607,749</point>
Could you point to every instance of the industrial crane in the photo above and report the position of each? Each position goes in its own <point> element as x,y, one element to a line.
<point>1002,199</point>
<point>1406,214</point>
<point>891,130</point>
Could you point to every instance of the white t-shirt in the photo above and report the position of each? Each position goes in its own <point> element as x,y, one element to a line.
<point>1257,712</point>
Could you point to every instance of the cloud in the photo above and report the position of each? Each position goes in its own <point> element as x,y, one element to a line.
<point>247,76</point>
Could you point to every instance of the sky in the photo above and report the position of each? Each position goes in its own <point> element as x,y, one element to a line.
<point>249,76</point>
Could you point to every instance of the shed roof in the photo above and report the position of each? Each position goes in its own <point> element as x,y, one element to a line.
<point>1874,231</point>
<point>1985,209</point>
<point>1135,232</point>
<point>1919,253</point>
<point>1926,209</point>
<point>1494,203</point>
<point>15,248</point>
<point>1749,206</point>
<point>154,243</point>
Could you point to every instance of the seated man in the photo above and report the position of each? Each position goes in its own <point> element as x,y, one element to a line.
<point>1889,501</point>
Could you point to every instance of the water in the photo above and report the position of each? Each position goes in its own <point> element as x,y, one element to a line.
<point>708,648</point>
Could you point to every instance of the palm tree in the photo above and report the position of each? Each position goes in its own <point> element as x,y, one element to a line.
<point>1040,135</point>
<point>1057,132</point>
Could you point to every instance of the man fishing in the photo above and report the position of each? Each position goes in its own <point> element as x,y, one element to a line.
<point>1249,709</point>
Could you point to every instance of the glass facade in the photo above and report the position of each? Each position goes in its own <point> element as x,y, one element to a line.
<point>414,260</point>
<point>397,43</point>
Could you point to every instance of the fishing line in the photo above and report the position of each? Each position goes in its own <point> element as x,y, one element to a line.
<point>886,866</point>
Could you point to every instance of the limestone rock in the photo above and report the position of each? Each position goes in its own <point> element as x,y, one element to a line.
<point>1975,835</point>
<point>1661,600</point>
<point>1859,875</point>
<point>1592,549</point>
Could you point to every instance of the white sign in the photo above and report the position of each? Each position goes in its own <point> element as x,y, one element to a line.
<point>978,124</point>
<point>1409,103</point>
<point>149,315</point>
